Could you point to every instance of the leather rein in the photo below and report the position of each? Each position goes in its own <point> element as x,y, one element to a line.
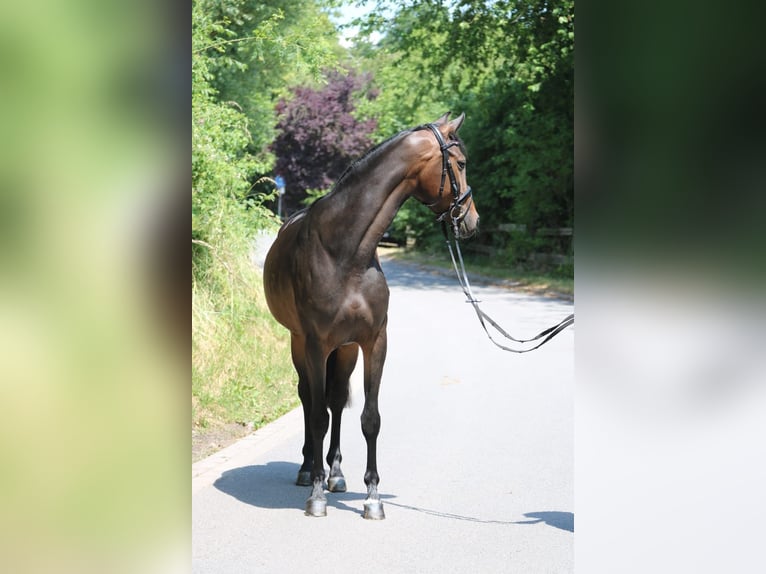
<point>456,215</point>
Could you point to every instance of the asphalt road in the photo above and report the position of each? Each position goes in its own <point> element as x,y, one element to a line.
<point>475,455</point>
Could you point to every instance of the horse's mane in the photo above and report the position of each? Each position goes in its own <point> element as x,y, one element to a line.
<point>368,157</point>
<point>376,150</point>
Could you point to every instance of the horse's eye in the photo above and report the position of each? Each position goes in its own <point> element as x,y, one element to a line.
<point>461,165</point>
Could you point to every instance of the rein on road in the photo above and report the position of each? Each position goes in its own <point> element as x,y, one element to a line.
<point>462,277</point>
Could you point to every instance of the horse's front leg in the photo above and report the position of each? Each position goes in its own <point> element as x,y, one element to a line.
<point>316,504</point>
<point>374,358</point>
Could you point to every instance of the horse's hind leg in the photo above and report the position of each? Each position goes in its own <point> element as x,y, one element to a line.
<point>304,474</point>
<point>319,419</point>
<point>374,357</point>
<point>299,361</point>
<point>340,365</point>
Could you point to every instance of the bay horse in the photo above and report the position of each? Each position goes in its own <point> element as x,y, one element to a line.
<point>324,283</point>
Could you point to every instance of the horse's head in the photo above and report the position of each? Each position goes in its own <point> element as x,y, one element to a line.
<point>442,184</point>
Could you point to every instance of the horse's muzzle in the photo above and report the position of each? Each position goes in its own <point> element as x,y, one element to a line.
<point>469,225</point>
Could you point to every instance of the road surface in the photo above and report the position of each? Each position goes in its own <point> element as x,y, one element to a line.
<point>475,454</point>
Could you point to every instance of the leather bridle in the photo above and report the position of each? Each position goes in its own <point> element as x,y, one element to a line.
<point>457,210</point>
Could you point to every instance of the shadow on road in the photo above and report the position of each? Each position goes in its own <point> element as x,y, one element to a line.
<point>273,486</point>
<point>561,520</point>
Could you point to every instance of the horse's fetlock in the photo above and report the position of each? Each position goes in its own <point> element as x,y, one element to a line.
<point>371,477</point>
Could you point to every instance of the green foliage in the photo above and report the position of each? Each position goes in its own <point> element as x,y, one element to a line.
<point>241,371</point>
<point>244,54</point>
<point>263,48</point>
<point>314,194</point>
<point>221,164</point>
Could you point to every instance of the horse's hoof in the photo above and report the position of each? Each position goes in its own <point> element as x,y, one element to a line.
<point>315,507</point>
<point>304,478</point>
<point>373,510</point>
<point>336,484</point>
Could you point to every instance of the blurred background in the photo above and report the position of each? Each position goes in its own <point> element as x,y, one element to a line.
<point>671,375</point>
<point>94,304</point>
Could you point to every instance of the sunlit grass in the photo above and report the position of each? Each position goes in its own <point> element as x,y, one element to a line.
<point>241,368</point>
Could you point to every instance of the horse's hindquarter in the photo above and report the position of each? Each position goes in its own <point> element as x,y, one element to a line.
<point>278,274</point>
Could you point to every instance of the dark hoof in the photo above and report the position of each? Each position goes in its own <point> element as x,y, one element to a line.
<point>373,510</point>
<point>316,507</point>
<point>336,484</point>
<point>304,478</point>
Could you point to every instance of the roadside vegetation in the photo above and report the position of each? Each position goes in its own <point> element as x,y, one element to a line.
<point>241,371</point>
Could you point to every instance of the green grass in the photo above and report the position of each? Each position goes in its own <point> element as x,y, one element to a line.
<point>241,367</point>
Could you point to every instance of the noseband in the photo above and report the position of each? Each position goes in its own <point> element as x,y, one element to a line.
<point>455,211</point>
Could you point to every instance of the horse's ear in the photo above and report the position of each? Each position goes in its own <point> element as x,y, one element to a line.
<point>442,120</point>
<point>455,124</point>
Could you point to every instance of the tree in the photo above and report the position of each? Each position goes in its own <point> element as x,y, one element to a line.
<point>244,54</point>
<point>220,136</point>
<point>261,48</point>
<point>319,135</point>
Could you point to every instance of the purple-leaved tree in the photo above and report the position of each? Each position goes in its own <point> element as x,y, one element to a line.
<point>318,135</point>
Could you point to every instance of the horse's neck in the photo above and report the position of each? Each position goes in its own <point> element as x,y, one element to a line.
<point>352,219</point>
